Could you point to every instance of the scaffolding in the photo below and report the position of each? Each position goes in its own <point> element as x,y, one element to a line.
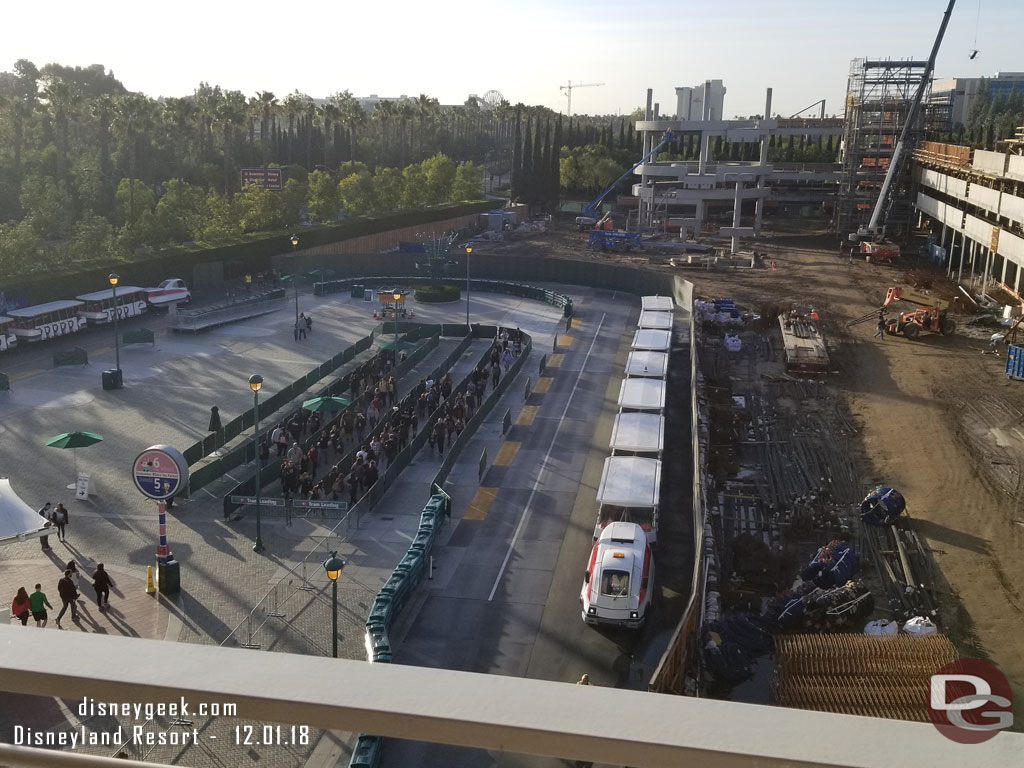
<point>879,95</point>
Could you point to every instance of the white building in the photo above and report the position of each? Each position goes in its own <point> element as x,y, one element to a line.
<point>691,100</point>
<point>955,94</point>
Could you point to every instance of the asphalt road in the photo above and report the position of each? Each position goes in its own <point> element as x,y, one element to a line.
<point>505,597</point>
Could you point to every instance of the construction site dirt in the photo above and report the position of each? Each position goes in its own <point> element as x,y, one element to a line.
<point>935,418</point>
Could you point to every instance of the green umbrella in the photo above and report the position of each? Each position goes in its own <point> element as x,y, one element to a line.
<point>74,441</point>
<point>327,404</point>
<point>390,344</point>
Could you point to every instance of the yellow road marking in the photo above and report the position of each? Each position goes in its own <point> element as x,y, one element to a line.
<point>481,504</point>
<point>506,454</point>
<point>542,384</point>
<point>565,340</point>
<point>555,360</point>
<point>527,415</point>
<point>24,374</point>
<point>577,322</point>
<point>102,351</point>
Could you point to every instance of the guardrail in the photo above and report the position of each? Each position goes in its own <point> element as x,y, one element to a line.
<point>73,356</point>
<point>138,336</point>
<point>196,320</point>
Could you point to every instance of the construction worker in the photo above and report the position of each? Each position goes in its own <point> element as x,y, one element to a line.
<point>880,332</point>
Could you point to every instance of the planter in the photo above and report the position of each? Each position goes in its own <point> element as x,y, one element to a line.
<point>438,294</point>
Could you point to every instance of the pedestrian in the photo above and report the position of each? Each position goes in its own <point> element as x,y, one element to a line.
<point>68,595</point>
<point>302,325</point>
<point>39,604</point>
<point>360,426</point>
<point>353,488</point>
<point>248,283</point>
<point>371,474</point>
<point>880,331</point>
<point>46,513</point>
<point>507,357</point>
<point>440,432</point>
<point>278,439</point>
<point>21,606</point>
<point>294,454</point>
<point>309,323</point>
<point>60,519</point>
<point>495,374</point>
<point>102,583</point>
<point>264,451</point>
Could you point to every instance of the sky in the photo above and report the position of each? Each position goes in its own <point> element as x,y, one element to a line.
<point>525,50</point>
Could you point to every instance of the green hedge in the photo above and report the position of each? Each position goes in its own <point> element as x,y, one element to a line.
<point>438,294</point>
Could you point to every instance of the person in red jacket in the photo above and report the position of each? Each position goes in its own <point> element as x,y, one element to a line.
<point>21,607</point>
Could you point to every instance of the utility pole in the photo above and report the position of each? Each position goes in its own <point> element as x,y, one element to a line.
<point>568,92</point>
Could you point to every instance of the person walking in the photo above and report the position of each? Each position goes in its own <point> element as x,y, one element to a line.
<point>60,519</point>
<point>440,432</point>
<point>21,606</point>
<point>46,512</point>
<point>38,602</point>
<point>880,329</point>
<point>300,329</point>
<point>68,596</point>
<point>309,324</point>
<point>102,583</point>
<point>294,454</point>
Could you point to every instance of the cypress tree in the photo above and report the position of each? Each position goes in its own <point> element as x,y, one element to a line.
<point>516,190</point>
<point>622,135</point>
<point>539,169</point>
<point>544,176</point>
<point>555,175</point>
<point>526,183</point>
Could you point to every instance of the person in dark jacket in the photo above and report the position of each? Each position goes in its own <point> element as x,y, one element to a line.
<point>102,582</point>
<point>68,595</point>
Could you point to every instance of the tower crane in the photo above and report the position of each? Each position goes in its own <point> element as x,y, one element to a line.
<point>568,91</point>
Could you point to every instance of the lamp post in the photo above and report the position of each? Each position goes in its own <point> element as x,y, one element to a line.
<point>295,280</point>
<point>333,566</point>
<point>468,252</point>
<point>255,384</point>
<point>398,298</point>
<point>113,278</point>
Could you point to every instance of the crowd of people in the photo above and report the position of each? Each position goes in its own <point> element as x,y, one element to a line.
<point>349,453</point>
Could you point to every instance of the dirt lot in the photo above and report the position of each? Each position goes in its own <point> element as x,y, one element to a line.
<point>937,419</point>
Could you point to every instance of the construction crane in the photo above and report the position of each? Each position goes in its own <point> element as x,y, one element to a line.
<point>602,232</point>
<point>908,126</point>
<point>812,106</point>
<point>568,91</point>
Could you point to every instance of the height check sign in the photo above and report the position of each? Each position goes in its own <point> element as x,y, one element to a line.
<point>156,474</point>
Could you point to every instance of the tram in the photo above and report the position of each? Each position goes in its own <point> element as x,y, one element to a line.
<point>99,306</point>
<point>47,321</point>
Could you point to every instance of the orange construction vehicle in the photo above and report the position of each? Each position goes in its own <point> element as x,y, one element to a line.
<point>930,315</point>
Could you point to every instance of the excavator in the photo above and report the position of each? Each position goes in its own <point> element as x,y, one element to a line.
<point>931,314</point>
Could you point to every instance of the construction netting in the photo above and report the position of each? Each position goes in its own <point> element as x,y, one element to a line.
<point>874,676</point>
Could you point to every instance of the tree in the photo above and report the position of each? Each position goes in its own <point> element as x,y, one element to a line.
<point>517,157</point>
<point>415,190</point>
<point>267,103</point>
<point>47,206</point>
<point>440,174</point>
<point>469,183</point>
<point>63,100</point>
<point>384,113</point>
<point>324,197</point>
<point>133,197</point>
<point>260,209</point>
<point>351,116</point>
<point>526,180</point>
<point>357,193</point>
<point>554,182</point>
<point>133,114</point>
<point>387,186</point>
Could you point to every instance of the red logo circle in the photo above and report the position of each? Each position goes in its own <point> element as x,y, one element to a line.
<point>970,701</point>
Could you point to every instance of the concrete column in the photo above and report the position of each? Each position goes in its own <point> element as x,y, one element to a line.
<point>974,248</point>
<point>988,267</point>
<point>644,208</point>
<point>1002,276</point>
<point>699,216</point>
<point>963,247</point>
<point>759,205</point>
<point>736,208</point>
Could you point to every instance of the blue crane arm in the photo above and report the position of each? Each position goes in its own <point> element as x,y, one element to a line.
<point>591,210</point>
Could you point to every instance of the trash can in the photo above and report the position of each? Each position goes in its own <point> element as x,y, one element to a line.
<point>112,379</point>
<point>358,291</point>
<point>168,577</point>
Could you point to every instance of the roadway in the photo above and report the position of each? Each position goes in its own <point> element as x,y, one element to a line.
<point>505,594</point>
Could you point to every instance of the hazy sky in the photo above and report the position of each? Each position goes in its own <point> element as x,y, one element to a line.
<point>524,49</point>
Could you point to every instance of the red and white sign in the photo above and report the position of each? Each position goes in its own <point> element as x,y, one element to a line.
<point>970,701</point>
<point>160,472</point>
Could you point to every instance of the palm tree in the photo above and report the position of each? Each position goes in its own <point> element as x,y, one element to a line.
<point>132,116</point>
<point>27,88</point>
<point>231,115</point>
<point>268,106</point>
<point>62,99</point>
<point>295,104</point>
<point>207,99</point>
<point>427,109</point>
<point>352,116</point>
<point>329,115</point>
<point>384,112</point>
<point>179,114</point>
<point>406,113</point>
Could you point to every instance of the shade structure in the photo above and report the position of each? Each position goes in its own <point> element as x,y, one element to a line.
<point>401,345</point>
<point>74,441</point>
<point>327,404</point>
<point>18,521</point>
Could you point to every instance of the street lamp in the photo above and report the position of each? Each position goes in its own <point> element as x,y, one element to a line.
<point>333,566</point>
<point>295,279</point>
<point>398,298</point>
<point>255,384</point>
<point>469,250</point>
<point>113,278</point>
